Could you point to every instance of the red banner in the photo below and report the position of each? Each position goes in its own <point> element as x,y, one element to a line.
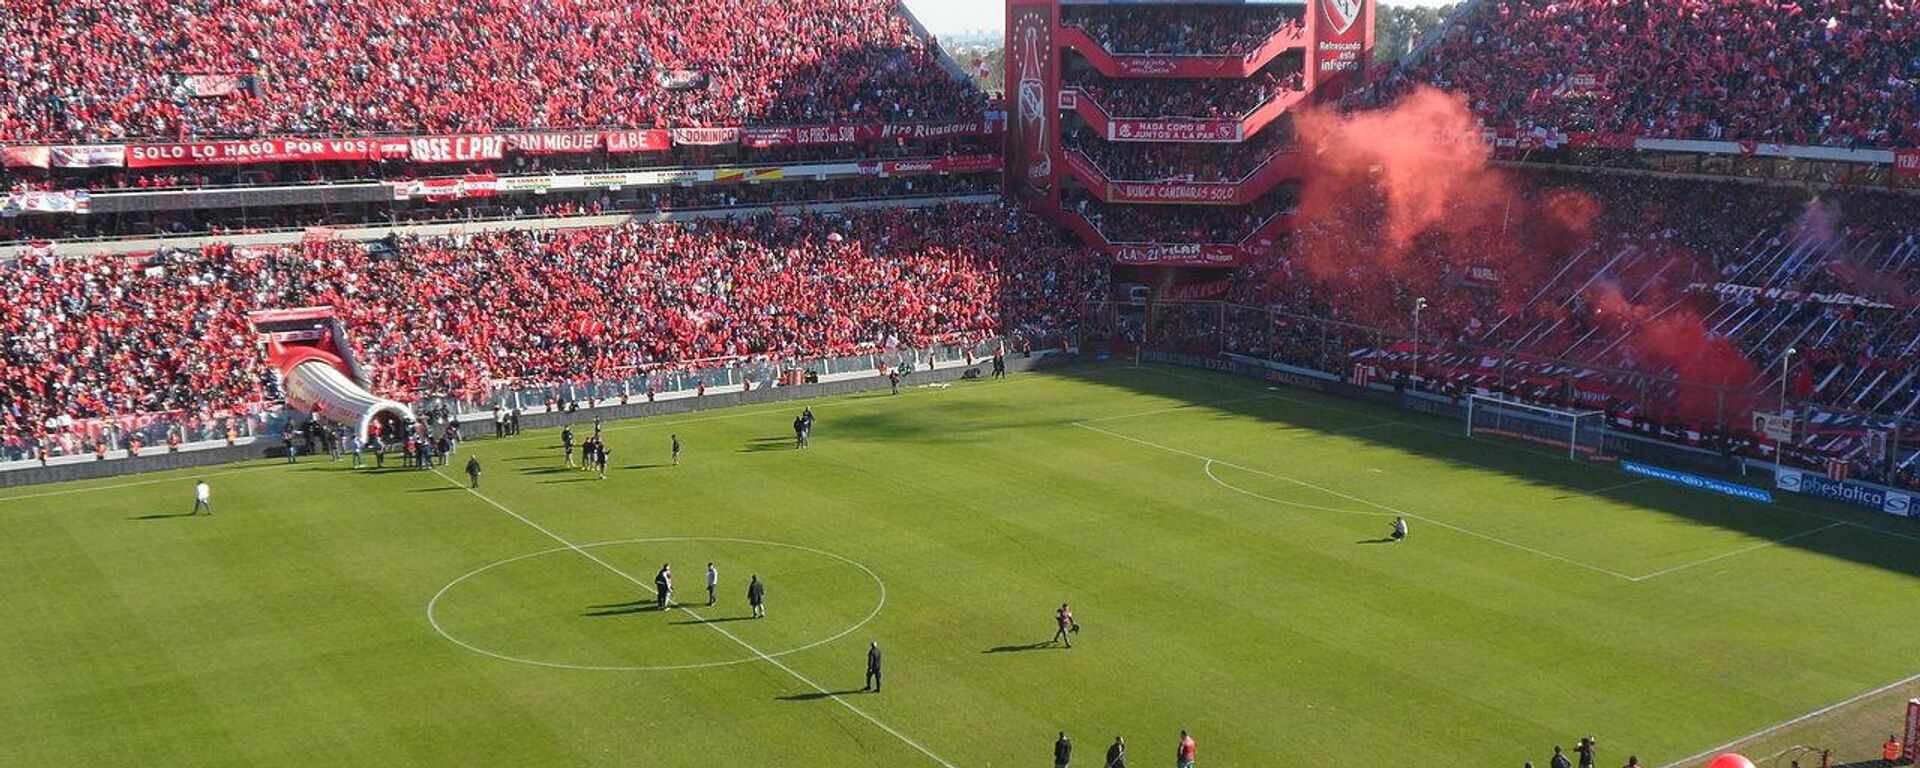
<point>1342,33</point>
<point>1906,162</point>
<point>971,164</point>
<point>212,86</point>
<point>706,137</point>
<point>456,149</point>
<point>939,130</point>
<point>639,141</point>
<point>26,157</point>
<point>264,151</point>
<point>1174,130</point>
<point>567,142</point>
<point>1172,192</point>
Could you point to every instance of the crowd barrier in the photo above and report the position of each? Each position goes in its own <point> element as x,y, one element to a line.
<point>842,376</point>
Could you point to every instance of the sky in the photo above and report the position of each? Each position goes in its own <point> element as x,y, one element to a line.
<point>946,17</point>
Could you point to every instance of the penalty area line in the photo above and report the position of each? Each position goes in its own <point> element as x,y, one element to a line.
<point>1385,511</point>
<point>749,647</point>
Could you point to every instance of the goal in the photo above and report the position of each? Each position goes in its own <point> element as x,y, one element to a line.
<point>1581,434</point>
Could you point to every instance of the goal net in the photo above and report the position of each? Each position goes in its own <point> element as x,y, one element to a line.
<point>1581,434</point>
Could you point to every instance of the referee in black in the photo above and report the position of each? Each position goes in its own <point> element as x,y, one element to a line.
<point>873,667</point>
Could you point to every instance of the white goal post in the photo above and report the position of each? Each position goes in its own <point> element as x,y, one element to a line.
<point>1579,432</point>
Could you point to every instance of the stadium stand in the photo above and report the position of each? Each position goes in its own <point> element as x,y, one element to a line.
<point>91,70</point>
<point>1142,98</point>
<point>1177,31</point>
<point>1765,269</point>
<point>104,337</point>
<point>1186,162</point>
<point>1820,72</point>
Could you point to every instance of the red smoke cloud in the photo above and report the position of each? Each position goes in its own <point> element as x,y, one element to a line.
<point>1674,337</point>
<point>1395,199</point>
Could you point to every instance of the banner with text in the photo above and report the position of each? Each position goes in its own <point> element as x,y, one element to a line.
<point>1858,494</point>
<point>263,151</point>
<point>1197,131</point>
<point>657,140</point>
<point>554,143</point>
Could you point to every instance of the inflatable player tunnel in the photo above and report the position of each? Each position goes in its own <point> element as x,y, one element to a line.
<point>308,347</point>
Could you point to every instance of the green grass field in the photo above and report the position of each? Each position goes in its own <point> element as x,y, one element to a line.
<point>1217,540</point>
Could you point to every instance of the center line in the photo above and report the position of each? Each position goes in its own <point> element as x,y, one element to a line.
<point>697,617</point>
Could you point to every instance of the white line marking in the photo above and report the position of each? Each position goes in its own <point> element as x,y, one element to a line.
<point>1187,407</point>
<point>1362,428</point>
<point>1741,551</point>
<point>1387,509</point>
<point>155,481</point>
<point>431,618</point>
<point>1784,724</point>
<point>715,627</point>
<point>1208,469</point>
<point>1618,486</point>
<point>1227,385</point>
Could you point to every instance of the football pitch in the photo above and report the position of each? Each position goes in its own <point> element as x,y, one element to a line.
<point>1222,545</point>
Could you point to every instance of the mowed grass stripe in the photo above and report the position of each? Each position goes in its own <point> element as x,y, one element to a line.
<point>1270,632</point>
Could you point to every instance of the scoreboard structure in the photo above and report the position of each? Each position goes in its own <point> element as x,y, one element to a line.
<point>1067,144</point>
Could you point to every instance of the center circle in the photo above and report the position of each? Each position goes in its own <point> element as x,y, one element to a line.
<point>594,608</point>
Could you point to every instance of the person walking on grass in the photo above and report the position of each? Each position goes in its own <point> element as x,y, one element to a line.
<point>873,667</point>
<point>1062,751</point>
<point>566,444</point>
<point>473,472</point>
<point>1399,529</point>
<point>1183,757</point>
<point>1116,754</point>
<point>757,597</point>
<point>713,582</point>
<point>663,587</point>
<point>1063,618</point>
<point>676,450</point>
<point>202,498</point>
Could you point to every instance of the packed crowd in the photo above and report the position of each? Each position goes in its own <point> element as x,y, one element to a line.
<point>1145,223</point>
<point>1828,72</point>
<point>109,337</point>
<point>1633,316</point>
<point>306,174</point>
<point>1206,99</point>
<point>1156,161</point>
<point>1130,30</point>
<point>185,222</point>
<point>104,69</point>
